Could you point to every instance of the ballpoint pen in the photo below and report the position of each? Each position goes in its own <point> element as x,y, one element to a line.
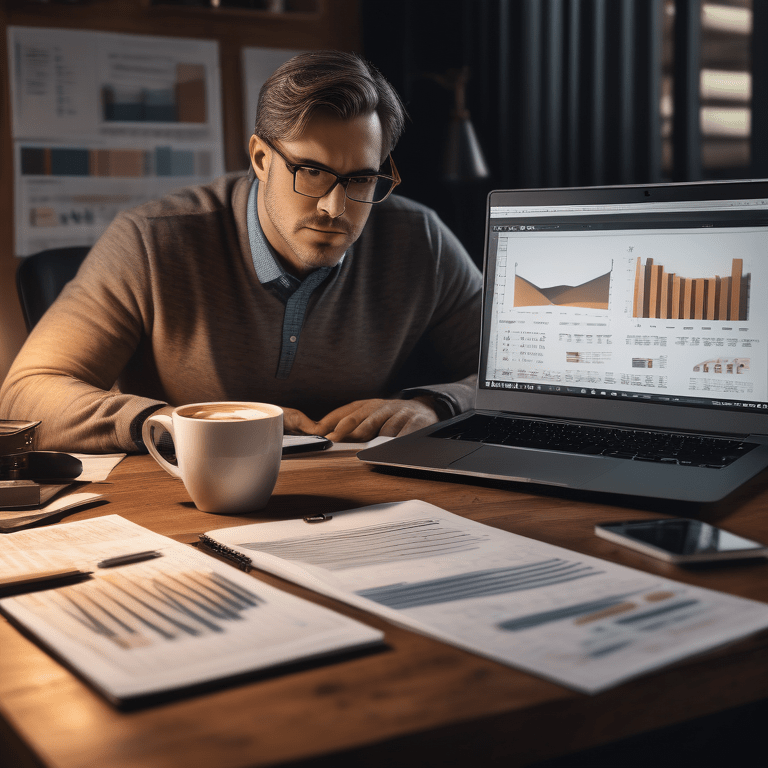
<point>53,577</point>
<point>57,576</point>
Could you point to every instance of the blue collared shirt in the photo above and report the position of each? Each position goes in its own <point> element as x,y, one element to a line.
<point>292,291</point>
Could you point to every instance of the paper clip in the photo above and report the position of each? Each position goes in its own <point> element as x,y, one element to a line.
<point>318,518</point>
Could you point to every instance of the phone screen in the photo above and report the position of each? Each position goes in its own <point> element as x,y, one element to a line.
<point>680,536</point>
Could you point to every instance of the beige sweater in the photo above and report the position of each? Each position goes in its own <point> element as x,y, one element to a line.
<point>167,308</point>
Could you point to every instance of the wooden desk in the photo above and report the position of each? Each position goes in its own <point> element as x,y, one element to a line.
<point>418,702</point>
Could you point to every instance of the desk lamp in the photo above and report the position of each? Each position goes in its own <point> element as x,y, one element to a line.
<point>463,160</point>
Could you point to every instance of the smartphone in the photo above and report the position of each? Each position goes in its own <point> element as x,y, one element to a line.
<point>304,443</point>
<point>680,540</point>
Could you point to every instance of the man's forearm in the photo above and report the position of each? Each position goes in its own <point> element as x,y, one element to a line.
<point>449,399</point>
<point>74,415</point>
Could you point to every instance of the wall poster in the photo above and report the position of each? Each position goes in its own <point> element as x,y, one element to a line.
<point>102,122</point>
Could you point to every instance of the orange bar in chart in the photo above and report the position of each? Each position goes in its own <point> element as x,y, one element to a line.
<point>126,162</point>
<point>688,308</point>
<point>98,162</point>
<point>713,287</point>
<point>738,265</point>
<point>699,286</point>
<point>661,294</point>
<point>654,293</point>
<point>675,314</point>
<point>666,296</point>
<point>664,300</point>
<point>647,288</point>
<point>639,290</point>
<point>190,93</point>
<point>725,295</point>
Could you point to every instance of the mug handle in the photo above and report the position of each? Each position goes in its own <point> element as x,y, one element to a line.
<point>164,422</point>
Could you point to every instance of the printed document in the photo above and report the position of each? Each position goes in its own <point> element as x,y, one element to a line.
<point>102,122</point>
<point>169,622</point>
<point>574,619</point>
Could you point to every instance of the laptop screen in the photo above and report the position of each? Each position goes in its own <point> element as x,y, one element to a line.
<point>634,299</point>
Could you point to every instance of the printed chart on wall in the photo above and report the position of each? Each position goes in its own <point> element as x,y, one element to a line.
<point>103,122</point>
<point>667,315</point>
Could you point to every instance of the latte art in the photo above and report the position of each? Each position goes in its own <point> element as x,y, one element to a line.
<point>223,412</point>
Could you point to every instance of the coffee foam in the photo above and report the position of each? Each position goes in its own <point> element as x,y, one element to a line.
<point>224,412</point>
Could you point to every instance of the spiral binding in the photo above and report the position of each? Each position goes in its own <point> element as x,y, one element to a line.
<point>243,562</point>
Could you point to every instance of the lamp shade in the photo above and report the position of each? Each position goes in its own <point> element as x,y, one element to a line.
<point>463,160</point>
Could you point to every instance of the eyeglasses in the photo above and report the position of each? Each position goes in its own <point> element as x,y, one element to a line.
<point>310,181</point>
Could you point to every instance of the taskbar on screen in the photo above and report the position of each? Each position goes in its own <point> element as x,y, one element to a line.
<point>601,392</point>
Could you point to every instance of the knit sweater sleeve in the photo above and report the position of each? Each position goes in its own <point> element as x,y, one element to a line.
<point>66,374</point>
<point>454,330</point>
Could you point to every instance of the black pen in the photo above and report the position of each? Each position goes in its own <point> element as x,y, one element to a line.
<point>41,579</point>
<point>60,576</point>
<point>134,557</point>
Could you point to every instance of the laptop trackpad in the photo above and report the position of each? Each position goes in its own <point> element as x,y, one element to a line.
<point>564,469</point>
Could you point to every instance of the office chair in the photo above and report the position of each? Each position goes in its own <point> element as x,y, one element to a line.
<point>41,276</point>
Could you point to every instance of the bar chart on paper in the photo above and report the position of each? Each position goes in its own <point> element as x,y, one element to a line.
<point>388,543</point>
<point>181,99</point>
<point>572,618</point>
<point>181,620</point>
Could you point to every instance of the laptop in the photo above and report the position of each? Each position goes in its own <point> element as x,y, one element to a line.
<point>624,344</point>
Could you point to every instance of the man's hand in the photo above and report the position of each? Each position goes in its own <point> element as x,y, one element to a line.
<point>297,423</point>
<point>365,419</point>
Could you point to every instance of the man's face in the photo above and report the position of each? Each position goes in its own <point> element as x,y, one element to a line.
<point>315,232</point>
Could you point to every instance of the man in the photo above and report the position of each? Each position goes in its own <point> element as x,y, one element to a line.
<point>302,284</point>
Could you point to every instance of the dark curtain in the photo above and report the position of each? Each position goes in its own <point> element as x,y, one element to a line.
<point>560,93</point>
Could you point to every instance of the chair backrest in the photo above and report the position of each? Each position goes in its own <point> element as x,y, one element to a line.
<point>41,276</point>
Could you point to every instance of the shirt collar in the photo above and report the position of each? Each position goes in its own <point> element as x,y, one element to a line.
<point>267,266</point>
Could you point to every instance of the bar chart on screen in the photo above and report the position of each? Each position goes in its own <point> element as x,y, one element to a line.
<point>660,293</point>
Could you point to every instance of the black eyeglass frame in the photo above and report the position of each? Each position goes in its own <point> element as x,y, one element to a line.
<point>343,180</point>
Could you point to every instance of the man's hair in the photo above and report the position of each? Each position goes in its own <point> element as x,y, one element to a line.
<point>333,81</point>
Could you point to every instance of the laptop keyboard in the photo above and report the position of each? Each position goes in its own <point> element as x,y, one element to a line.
<point>621,443</point>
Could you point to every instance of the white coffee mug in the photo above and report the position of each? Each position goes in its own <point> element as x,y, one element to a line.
<point>228,453</point>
